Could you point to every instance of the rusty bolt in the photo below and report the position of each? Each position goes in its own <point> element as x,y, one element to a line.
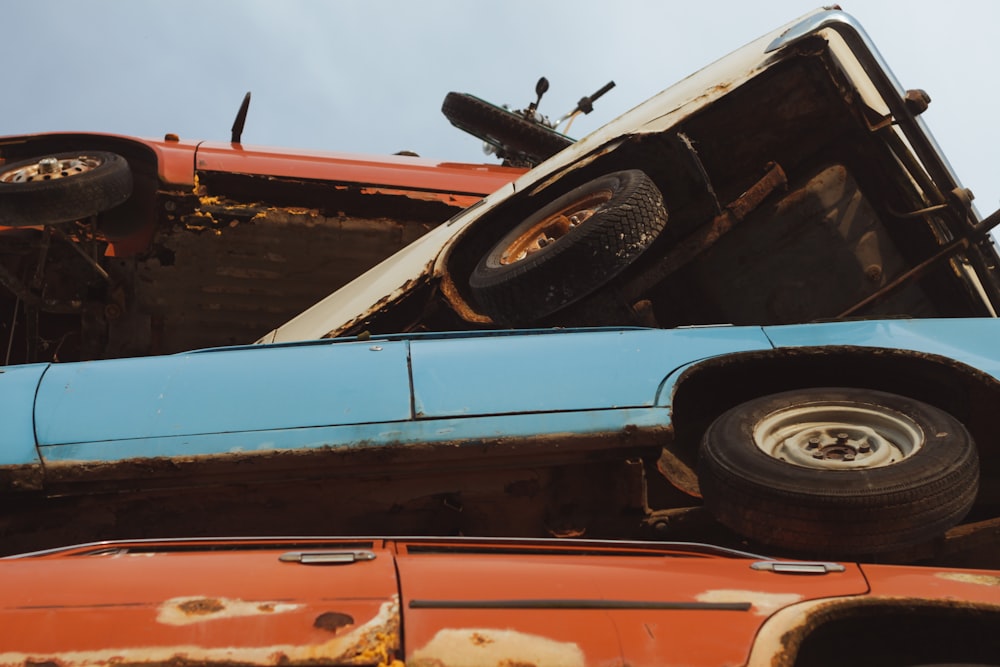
<point>864,447</point>
<point>112,311</point>
<point>48,165</point>
<point>842,438</point>
<point>813,443</point>
<point>874,273</point>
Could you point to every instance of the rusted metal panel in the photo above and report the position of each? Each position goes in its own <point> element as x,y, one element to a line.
<point>242,607</point>
<point>560,609</point>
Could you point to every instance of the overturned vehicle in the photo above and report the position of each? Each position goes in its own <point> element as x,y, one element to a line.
<point>790,182</point>
<point>114,246</point>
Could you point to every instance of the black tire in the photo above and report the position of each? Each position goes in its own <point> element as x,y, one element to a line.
<point>569,248</point>
<point>512,135</point>
<point>922,474</point>
<point>62,187</point>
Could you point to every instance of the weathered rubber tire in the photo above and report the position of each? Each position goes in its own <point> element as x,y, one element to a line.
<point>511,134</point>
<point>82,184</point>
<point>619,216</point>
<point>838,508</point>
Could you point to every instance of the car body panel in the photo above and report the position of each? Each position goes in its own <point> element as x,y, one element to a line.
<point>474,601</point>
<point>247,607</point>
<point>970,341</point>
<point>535,372</point>
<point>458,183</point>
<point>298,387</point>
<point>651,610</point>
<point>358,394</point>
<point>19,386</point>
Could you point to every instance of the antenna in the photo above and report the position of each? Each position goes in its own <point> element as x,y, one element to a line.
<point>241,119</point>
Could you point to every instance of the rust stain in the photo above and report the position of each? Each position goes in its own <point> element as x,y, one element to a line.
<point>462,307</point>
<point>189,610</point>
<point>504,648</point>
<point>376,642</point>
<point>764,604</point>
<point>201,606</point>
<point>332,621</point>
<point>970,578</point>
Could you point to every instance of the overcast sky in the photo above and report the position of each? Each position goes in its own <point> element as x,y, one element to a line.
<point>369,76</point>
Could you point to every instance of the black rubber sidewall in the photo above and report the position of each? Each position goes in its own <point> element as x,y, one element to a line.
<point>583,260</point>
<point>850,511</point>
<point>503,129</point>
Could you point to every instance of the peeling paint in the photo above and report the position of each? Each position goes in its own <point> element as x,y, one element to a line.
<point>188,610</point>
<point>374,643</point>
<point>483,646</point>
<point>970,578</point>
<point>764,604</point>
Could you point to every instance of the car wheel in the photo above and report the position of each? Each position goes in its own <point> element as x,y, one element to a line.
<point>511,134</point>
<point>838,472</point>
<point>62,187</point>
<point>569,248</point>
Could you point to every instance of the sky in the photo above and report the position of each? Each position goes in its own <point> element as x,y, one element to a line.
<point>368,76</point>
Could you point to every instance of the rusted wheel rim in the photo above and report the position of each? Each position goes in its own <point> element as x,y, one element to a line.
<point>554,227</point>
<point>50,168</point>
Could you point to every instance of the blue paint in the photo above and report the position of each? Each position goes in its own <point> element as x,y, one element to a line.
<point>577,370</point>
<point>228,390</point>
<point>449,390</point>
<point>17,431</point>
<point>972,341</point>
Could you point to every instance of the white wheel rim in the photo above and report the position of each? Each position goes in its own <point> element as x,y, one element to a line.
<point>831,436</point>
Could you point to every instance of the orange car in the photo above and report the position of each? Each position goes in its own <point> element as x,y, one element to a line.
<point>112,246</point>
<point>502,603</point>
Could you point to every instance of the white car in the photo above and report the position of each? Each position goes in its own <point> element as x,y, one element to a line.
<point>788,182</point>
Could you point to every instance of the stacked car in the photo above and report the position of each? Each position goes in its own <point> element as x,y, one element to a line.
<point>753,315</point>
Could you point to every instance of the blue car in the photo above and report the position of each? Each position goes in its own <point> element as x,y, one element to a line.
<point>846,438</point>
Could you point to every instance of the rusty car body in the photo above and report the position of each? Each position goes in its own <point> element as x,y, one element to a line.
<point>114,246</point>
<point>792,181</point>
<point>432,601</point>
<point>861,439</point>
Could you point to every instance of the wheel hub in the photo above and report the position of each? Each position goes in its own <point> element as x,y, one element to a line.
<point>838,437</point>
<point>50,168</point>
<point>552,228</point>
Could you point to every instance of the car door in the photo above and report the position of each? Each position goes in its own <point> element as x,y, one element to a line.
<point>202,603</point>
<point>225,401</point>
<point>596,604</point>
<point>559,371</point>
